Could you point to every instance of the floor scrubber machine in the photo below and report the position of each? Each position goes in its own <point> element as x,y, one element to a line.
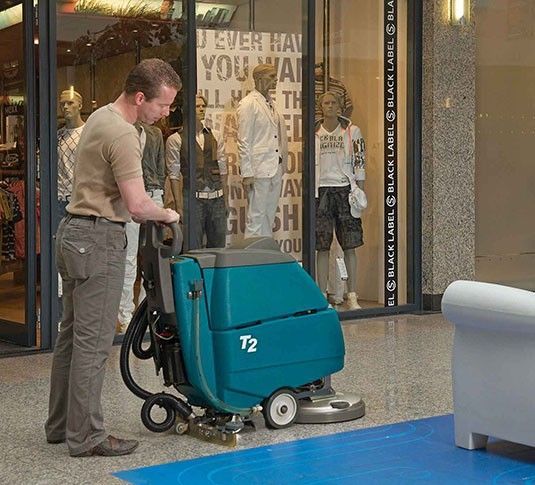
<point>236,332</point>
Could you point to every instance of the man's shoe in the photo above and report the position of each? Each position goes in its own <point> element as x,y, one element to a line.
<point>111,446</point>
<point>55,442</point>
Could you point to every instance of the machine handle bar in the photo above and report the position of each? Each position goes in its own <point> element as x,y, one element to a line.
<point>178,239</point>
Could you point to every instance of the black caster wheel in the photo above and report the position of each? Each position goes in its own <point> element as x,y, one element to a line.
<point>280,409</point>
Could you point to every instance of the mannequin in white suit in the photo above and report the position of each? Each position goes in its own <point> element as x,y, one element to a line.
<point>263,151</point>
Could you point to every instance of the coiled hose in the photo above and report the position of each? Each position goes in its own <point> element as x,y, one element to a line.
<point>133,342</point>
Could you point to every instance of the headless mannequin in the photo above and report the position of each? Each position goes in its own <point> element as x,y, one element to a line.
<point>177,185</point>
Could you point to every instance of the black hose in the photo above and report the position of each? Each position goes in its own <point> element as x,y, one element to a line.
<point>140,330</point>
<point>132,340</point>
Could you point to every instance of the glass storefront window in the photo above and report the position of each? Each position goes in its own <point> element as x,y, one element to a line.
<point>12,165</point>
<point>19,191</point>
<point>362,59</point>
<point>98,43</point>
<point>260,132</point>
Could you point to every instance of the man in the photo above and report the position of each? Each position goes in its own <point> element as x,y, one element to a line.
<point>153,166</point>
<point>336,87</point>
<point>263,151</point>
<point>90,251</point>
<point>210,178</point>
<point>68,137</point>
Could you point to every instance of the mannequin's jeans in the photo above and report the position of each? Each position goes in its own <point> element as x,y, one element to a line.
<point>128,305</point>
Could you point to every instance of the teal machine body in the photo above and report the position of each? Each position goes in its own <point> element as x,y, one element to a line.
<point>251,322</point>
<point>234,331</point>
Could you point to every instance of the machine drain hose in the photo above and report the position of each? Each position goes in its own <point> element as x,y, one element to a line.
<point>133,338</point>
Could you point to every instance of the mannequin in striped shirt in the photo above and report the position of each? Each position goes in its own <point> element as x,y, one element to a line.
<point>336,87</point>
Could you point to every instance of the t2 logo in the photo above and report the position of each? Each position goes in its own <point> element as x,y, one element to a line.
<point>248,342</point>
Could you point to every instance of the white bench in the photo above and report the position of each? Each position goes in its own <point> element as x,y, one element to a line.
<point>493,362</point>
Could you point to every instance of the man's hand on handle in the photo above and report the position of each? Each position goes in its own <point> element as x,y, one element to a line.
<point>170,216</point>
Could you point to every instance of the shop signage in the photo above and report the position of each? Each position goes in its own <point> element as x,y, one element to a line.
<point>390,158</point>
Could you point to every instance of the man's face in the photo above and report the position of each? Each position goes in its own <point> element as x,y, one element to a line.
<point>70,107</point>
<point>268,80</point>
<point>151,111</point>
<point>318,70</point>
<point>330,106</point>
<point>200,108</point>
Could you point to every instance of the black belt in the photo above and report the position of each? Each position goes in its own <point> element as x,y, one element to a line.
<point>94,218</point>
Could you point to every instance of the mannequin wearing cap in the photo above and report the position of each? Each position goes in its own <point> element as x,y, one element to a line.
<point>340,175</point>
<point>70,103</point>
<point>263,151</point>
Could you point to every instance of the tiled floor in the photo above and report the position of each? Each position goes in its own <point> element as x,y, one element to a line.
<point>400,366</point>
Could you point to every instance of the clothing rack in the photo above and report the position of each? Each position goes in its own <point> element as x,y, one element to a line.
<point>10,213</point>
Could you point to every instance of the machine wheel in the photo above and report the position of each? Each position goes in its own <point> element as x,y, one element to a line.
<point>181,427</point>
<point>280,409</point>
<point>164,401</point>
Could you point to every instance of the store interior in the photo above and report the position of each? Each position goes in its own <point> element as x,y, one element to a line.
<point>95,50</point>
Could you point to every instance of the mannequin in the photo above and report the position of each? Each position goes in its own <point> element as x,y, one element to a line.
<point>211,178</point>
<point>263,151</point>
<point>335,289</point>
<point>336,87</point>
<point>70,103</point>
<point>340,160</point>
<point>68,137</point>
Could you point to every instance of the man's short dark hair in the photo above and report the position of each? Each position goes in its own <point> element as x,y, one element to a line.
<point>149,76</point>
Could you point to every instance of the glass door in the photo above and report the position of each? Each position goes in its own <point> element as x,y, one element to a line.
<point>258,127</point>
<point>362,63</point>
<point>19,190</point>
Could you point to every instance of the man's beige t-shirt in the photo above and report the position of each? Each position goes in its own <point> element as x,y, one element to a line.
<point>109,151</point>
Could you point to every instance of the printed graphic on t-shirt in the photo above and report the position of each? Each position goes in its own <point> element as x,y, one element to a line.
<point>331,143</point>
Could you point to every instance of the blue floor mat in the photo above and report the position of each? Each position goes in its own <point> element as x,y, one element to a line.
<point>421,451</point>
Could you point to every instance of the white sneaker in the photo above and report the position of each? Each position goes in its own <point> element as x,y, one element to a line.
<point>351,301</point>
